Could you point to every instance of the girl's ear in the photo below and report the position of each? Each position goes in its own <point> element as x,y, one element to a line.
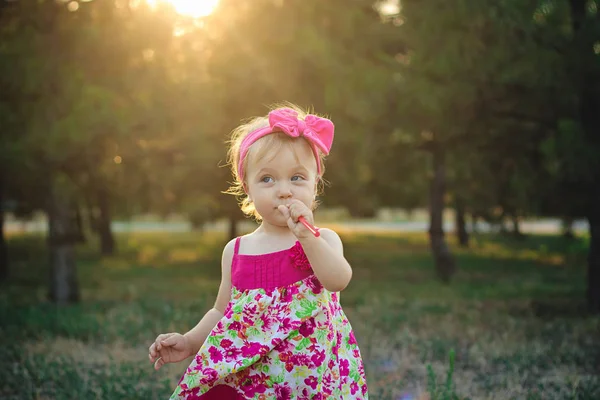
<point>246,191</point>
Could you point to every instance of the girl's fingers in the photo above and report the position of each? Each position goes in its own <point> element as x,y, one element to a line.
<point>285,211</point>
<point>152,350</point>
<point>171,340</point>
<point>159,363</point>
<point>299,210</point>
<point>159,340</point>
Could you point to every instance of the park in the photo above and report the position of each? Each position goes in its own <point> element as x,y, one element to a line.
<point>463,182</point>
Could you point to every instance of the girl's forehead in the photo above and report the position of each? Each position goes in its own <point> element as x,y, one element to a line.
<point>286,155</point>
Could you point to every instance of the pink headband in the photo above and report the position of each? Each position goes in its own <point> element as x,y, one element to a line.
<point>318,131</point>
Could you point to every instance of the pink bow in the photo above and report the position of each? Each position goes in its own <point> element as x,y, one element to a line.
<point>318,131</point>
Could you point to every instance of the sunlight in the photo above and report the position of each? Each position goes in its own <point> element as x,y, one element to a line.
<point>190,8</point>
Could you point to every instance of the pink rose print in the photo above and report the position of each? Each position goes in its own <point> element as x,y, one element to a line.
<point>299,258</point>
<point>305,395</point>
<point>191,394</point>
<point>235,326</point>
<point>300,359</point>
<point>231,354</point>
<point>211,376</point>
<point>344,367</point>
<point>283,392</point>
<point>252,389</point>
<point>308,327</point>
<point>352,339</point>
<point>318,358</point>
<point>314,284</point>
<point>288,325</point>
<point>215,354</point>
<point>266,321</point>
<point>250,309</point>
<point>354,388</point>
<point>251,349</point>
<point>363,389</point>
<point>225,343</point>
<point>286,296</point>
<point>312,382</point>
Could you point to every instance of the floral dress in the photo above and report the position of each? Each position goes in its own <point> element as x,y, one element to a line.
<point>283,336</point>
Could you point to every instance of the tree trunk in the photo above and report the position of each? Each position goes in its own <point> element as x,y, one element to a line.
<point>461,228</point>
<point>593,272</point>
<point>587,80</point>
<point>64,287</point>
<point>81,238</point>
<point>107,240</point>
<point>474,220</point>
<point>233,233</point>
<point>444,262</point>
<point>516,226</point>
<point>567,226</point>
<point>3,248</point>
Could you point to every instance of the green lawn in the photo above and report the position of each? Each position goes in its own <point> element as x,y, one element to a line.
<point>513,316</point>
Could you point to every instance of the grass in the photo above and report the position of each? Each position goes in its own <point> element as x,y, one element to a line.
<point>512,325</point>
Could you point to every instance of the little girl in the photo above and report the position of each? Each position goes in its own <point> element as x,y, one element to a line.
<point>277,329</point>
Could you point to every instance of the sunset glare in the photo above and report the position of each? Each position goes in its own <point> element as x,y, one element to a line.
<point>191,8</point>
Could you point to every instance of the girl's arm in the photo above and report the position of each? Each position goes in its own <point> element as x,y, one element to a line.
<point>326,257</point>
<point>198,334</point>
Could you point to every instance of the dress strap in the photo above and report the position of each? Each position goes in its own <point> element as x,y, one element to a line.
<point>237,246</point>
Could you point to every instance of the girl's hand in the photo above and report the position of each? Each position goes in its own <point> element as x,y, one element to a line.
<point>168,348</point>
<point>292,212</point>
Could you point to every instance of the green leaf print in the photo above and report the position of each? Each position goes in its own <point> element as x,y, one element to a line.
<point>321,335</point>
<point>321,369</point>
<point>304,343</point>
<point>354,375</point>
<point>278,378</point>
<point>238,307</point>
<point>215,340</point>
<point>246,362</point>
<point>252,331</point>
<point>307,309</point>
<point>232,334</point>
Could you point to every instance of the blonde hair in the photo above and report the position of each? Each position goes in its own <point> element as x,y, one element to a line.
<point>259,149</point>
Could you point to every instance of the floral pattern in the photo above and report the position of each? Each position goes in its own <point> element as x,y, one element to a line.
<point>299,259</point>
<point>291,342</point>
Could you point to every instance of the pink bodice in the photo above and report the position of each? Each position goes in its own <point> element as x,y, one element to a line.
<point>270,270</point>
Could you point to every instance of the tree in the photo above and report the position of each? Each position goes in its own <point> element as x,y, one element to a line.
<point>464,95</point>
<point>585,66</point>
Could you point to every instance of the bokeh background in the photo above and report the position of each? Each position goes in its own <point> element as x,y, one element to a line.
<point>464,181</point>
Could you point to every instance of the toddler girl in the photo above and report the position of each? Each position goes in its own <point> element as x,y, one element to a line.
<point>277,329</point>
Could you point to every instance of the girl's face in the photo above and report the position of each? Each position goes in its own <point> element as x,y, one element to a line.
<point>274,180</point>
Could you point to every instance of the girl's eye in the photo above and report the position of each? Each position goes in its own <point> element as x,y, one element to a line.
<point>266,179</point>
<point>296,178</point>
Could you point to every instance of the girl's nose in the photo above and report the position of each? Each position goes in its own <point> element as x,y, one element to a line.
<point>284,192</point>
